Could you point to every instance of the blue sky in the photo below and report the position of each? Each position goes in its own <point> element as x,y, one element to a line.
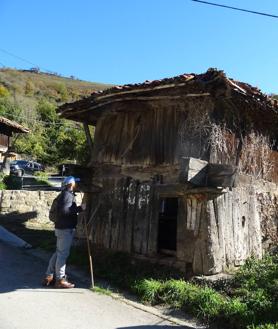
<point>128,41</point>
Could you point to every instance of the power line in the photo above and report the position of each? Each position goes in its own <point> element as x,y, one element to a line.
<point>18,57</point>
<point>34,120</point>
<point>236,8</point>
<point>24,60</point>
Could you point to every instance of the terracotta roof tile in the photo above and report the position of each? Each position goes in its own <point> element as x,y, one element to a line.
<point>210,76</point>
<point>14,126</point>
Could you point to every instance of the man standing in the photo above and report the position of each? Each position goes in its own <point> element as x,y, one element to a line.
<point>65,225</point>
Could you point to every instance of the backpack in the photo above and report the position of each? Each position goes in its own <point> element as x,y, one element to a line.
<point>53,212</point>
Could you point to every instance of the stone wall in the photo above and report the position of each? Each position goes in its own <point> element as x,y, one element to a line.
<point>29,206</point>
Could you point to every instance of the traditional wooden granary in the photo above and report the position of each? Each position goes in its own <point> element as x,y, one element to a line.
<point>7,129</point>
<point>183,170</point>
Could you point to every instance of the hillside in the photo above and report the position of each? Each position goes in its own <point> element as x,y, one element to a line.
<point>28,87</point>
<point>31,97</point>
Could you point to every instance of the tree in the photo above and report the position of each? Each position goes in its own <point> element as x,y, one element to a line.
<point>10,110</point>
<point>71,143</point>
<point>33,143</point>
<point>4,92</point>
<point>53,140</point>
<point>47,112</point>
<point>62,90</point>
<point>29,88</point>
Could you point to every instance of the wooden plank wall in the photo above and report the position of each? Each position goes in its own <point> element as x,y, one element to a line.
<point>157,133</point>
<point>215,231</point>
<point>125,218</point>
<point>192,232</point>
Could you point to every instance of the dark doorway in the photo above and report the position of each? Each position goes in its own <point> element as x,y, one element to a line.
<point>167,225</point>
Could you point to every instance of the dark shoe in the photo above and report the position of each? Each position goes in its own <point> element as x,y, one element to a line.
<point>63,284</point>
<point>48,281</point>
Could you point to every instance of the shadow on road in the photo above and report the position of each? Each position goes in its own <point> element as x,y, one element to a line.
<point>19,217</point>
<point>36,236</point>
<point>154,327</point>
<point>19,270</point>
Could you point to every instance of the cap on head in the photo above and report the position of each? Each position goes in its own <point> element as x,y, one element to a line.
<point>70,180</point>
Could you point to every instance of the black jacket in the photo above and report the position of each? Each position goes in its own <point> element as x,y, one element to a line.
<point>67,210</point>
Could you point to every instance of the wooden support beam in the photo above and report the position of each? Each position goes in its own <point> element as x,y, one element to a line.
<point>176,190</point>
<point>221,175</point>
<point>88,136</point>
<point>71,112</point>
<point>202,173</point>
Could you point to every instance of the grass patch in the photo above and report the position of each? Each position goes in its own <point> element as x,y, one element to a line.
<point>203,302</point>
<point>252,297</point>
<point>264,326</point>
<point>149,290</point>
<point>102,291</point>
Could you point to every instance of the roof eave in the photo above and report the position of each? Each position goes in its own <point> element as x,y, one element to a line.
<point>13,126</point>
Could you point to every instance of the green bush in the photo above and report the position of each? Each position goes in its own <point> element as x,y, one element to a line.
<point>4,92</point>
<point>148,290</point>
<point>264,326</point>
<point>177,292</point>
<point>41,176</point>
<point>203,302</point>
<point>13,182</point>
<point>234,313</point>
<point>3,185</point>
<point>10,110</point>
<point>207,304</point>
<point>61,89</point>
<point>256,274</point>
<point>29,88</point>
<point>256,285</point>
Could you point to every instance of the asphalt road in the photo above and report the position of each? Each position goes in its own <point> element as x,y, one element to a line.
<point>24,304</point>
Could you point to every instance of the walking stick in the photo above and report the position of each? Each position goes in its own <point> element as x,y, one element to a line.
<point>86,224</point>
<point>90,256</point>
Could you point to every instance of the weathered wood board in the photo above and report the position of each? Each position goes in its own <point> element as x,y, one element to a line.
<point>215,231</point>
<point>193,171</point>
<point>221,175</point>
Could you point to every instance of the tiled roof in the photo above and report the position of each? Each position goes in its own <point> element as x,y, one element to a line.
<point>14,126</point>
<point>210,77</point>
